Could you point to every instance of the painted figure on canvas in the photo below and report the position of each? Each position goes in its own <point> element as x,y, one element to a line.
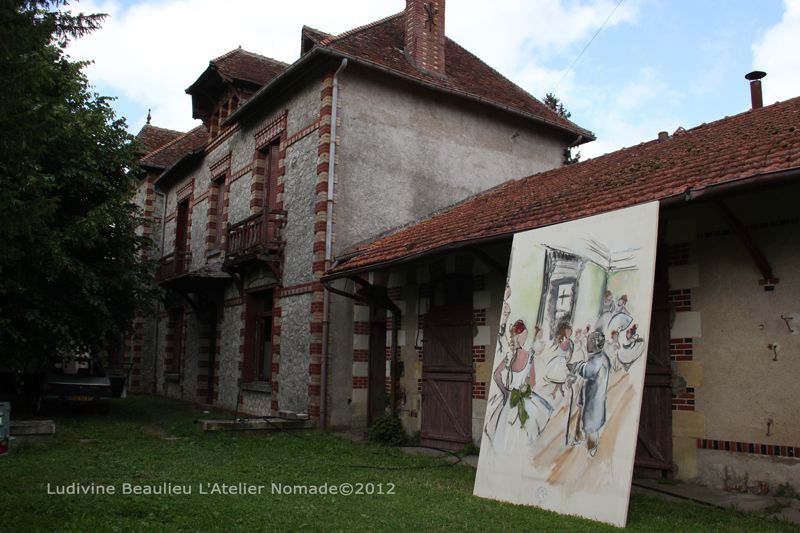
<point>516,412</point>
<point>592,398</point>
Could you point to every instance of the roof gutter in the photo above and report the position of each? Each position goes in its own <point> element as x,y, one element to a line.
<point>161,179</point>
<point>422,255</point>
<point>262,93</point>
<point>737,185</point>
<point>691,194</point>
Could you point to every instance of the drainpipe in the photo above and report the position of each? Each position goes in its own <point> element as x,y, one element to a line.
<point>323,393</point>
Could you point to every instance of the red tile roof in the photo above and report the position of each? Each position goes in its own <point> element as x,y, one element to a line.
<point>153,137</point>
<point>381,44</point>
<point>748,145</point>
<point>173,151</point>
<point>241,65</point>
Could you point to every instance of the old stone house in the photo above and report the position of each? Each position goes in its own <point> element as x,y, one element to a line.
<point>294,164</point>
<point>720,403</point>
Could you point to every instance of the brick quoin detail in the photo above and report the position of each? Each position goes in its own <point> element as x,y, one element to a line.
<point>678,254</point>
<point>220,172</point>
<point>478,354</point>
<point>274,131</point>
<point>479,317</point>
<point>683,401</point>
<point>681,349</point>
<point>359,382</point>
<point>479,390</point>
<point>318,248</point>
<point>681,300</point>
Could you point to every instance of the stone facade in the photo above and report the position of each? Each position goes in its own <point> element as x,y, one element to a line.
<point>402,152</point>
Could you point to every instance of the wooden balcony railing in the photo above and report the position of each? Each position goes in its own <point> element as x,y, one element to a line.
<point>172,265</point>
<point>259,233</point>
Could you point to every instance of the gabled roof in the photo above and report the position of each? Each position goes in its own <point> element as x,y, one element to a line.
<point>380,46</point>
<point>153,137</point>
<point>312,36</point>
<point>382,43</point>
<point>173,151</point>
<point>751,146</point>
<point>243,70</point>
<point>241,65</point>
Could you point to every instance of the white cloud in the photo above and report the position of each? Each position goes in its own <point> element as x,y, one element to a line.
<point>632,113</point>
<point>523,39</point>
<point>776,54</point>
<point>149,52</point>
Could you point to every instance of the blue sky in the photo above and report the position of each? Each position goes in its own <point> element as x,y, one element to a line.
<point>656,65</point>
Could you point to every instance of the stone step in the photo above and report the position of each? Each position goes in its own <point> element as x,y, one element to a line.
<point>32,428</point>
<point>255,424</point>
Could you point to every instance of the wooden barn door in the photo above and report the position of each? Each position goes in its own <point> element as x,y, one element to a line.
<point>446,414</point>
<point>654,444</point>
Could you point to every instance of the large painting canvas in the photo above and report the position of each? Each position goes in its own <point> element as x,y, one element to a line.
<point>568,371</point>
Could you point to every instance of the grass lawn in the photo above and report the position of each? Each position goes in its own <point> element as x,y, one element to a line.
<point>148,442</point>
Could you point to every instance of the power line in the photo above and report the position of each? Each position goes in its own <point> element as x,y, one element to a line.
<point>587,46</point>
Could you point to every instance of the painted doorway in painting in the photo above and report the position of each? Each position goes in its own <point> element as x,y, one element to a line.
<point>563,410</point>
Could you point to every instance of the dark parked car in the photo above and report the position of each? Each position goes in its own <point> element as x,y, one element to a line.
<point>76,379</point>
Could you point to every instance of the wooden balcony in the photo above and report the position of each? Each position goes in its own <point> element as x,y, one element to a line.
<point>173,265</point>
<point>256,237</point>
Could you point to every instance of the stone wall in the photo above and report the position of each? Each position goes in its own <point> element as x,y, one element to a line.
<point>734,414</point>
<point>235,155</point>
<point>406,152</point>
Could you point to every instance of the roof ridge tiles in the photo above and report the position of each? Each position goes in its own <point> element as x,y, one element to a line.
<point>241,50</point>
<point>179,132</point>
<point>350,33</point>
<point>173,141</point>
<point>309,28</point>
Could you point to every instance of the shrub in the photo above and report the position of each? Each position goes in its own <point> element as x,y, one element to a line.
<point>388,430</point>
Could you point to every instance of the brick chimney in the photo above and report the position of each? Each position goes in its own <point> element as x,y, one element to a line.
<point>424,36</point>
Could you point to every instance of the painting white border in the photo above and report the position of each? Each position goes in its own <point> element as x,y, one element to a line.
<point>549,468</point>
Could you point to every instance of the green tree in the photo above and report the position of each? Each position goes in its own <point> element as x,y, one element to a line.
<point>555,103</point>
<point>71,275</point>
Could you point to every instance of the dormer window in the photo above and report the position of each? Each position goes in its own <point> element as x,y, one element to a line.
<point>223,111</point>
